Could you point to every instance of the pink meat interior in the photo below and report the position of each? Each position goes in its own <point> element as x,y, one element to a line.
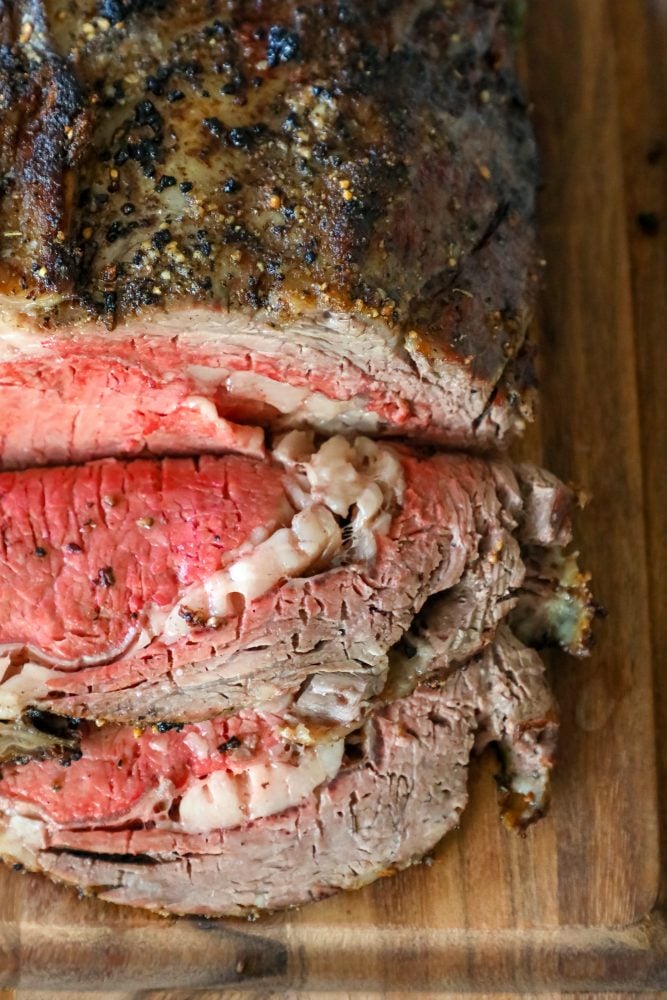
<point>120,765</point>
<point>86,549</point>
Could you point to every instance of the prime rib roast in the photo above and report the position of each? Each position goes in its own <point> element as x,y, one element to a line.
<point>267,214</point>
<point>267,575</point>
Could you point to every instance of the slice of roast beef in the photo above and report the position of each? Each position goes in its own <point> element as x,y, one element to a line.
<point>179,779</point>
<point>180,590</point>
<point>272,214</point>
<point>173,822</point>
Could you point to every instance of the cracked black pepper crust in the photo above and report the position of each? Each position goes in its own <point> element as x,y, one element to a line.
<point>268,157</point>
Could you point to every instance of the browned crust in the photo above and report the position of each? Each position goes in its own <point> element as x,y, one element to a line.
<point>382,160</point>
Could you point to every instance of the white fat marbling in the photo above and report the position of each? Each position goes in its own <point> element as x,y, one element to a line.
<point>223,800</point>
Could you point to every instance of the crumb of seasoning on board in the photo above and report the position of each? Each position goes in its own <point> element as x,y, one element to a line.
<point>649,223</point>
<point>656,153</point>
<point>242,137</point>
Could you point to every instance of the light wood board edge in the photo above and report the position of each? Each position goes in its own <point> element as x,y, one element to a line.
<point>568,959</point>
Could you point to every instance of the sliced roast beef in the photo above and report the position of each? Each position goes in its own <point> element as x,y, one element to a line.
<point>179,590</point>
<point>150,820</point>
<point>188,779</point>
<point>271,214</point>
<point>243,662</point>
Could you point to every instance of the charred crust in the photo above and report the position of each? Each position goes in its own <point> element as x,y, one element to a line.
<point>138,860</point>
<point>39,736</point>
<point>119,10</point>
<point>366,118</point>
<point>233,743</point>
<point>45,133</point>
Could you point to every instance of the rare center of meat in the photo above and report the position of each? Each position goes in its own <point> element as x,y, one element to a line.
<point>98,560</point>
<point>86,550</point>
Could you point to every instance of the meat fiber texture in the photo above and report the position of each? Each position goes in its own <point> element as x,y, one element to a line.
<point>316,727</point>
<point>179,589</point>
<point>266,578</point>
<point>381,812</point>
<point>285,215</point>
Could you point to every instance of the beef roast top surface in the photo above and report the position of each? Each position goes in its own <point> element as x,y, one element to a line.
<point>273,159</point>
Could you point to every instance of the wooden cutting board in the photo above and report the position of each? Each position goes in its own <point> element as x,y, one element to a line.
<point>578,904</point>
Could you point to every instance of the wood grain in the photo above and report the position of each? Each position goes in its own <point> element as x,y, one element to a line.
<point>642,74</point>
<point>575,907</point>
<point>299,995</point>
<point>290,995</point>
